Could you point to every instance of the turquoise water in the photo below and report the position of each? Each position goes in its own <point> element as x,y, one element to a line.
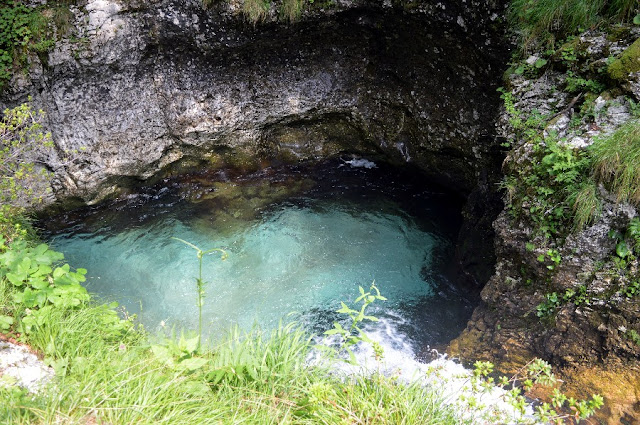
<point>299,241</point>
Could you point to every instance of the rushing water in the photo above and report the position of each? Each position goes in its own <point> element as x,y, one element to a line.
<point>300,240</point>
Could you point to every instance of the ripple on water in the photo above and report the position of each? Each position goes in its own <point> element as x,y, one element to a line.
<point>298,241</point>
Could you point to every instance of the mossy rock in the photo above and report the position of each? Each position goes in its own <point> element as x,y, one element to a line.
<point>618,32</point>
<point>627,63</point>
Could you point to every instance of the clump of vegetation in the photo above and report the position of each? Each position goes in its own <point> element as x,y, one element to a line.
<point>633,336</point>
<point>617,162</point>
<point>537,372</point>
<point>256,10</point>
<point>291,9</point>
<point>585,203</point>
<point>540,23</point>
<point>21,137</point>
<point>23,29</point>
<point>558,189</point>
<point>553,188</point>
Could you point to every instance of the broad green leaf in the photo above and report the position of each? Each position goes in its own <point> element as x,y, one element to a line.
<point>196,388</point>
<point>345,309</point>
<point>239,372</point>
<point>38,283</point>
<point>17,278</point>
<point>6,322</point>
<point>216,376</point>
<point>191,344</point>
<point>193,363</point>
<point>622,249</point>
<point>252,372</point>
<point>540,63</point>
<point>162,354</point>
<point>60,271</point>
<point>40,249</point>
<point>363,336</point>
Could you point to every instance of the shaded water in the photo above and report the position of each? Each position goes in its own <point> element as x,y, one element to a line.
<point>300,240</point>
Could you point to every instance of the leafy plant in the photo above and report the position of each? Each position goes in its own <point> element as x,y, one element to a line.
<point>577,296</point>
<point>553,255</point>
<point>632,289</point>
<point>575,84</point>
<point>181,355</point>
<point>37,282</point>
<point>633,336</point>
<point>354,334</point>
<point>5,322</point>
<point>536,372</point>
<point>200,283</point>
<point>21,137</point>
<point>22,29</point>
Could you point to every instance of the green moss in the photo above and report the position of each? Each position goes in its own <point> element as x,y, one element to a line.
<point>618,32</point>
<point>627,63</point>
<point>28,30</point>
<point>242,159</point>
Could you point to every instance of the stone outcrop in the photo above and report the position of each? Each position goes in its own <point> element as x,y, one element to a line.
<point>589,337</point>
<point>138,88</point>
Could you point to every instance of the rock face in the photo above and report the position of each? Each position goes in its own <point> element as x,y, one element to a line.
<point>139,87</point>
<point>589,336</point>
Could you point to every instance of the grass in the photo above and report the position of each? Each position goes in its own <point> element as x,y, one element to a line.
<point>543,22</point>
<point>586,204</point>
<point>617,162</point>
<point>111,375</point>
<point>256,10</point>
<point>291,9</point>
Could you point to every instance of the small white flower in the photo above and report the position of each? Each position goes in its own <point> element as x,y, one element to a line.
<point>622,328</point>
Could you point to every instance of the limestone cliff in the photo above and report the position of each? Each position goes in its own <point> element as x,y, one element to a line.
<point>137,87</point>
<point>569,298</point>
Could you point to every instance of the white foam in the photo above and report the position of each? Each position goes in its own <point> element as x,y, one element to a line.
<point>360,163</point>
<point>449,379</point>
